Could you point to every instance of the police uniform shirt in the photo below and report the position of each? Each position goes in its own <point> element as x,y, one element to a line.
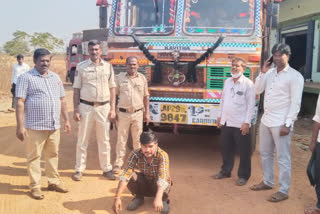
<point>94,80</point>
<point>131,90</point>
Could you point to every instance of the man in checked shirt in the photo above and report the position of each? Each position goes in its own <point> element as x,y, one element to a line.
<point>146,174</point>
<point>40,101</point>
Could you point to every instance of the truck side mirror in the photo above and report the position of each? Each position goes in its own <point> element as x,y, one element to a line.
<point>273,15</point>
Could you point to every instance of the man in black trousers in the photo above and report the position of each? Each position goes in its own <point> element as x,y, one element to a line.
<point>315,149</point>
<point>236,112</point>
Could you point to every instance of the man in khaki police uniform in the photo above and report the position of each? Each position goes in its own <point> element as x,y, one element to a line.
<point>132,89</point>
<point>94,107</point>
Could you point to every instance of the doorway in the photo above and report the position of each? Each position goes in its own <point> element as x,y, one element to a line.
<point>298,44</point>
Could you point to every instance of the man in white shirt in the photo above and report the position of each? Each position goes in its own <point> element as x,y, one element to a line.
<point>236,112</point>
<point>315,149</point>
<point>18,69</point>
<point>283,88</point>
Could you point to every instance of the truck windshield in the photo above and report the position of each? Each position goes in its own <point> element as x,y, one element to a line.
<point>207,17</point>
<point>145,17</point>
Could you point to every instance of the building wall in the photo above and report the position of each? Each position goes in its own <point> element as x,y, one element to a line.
<point>297,12</point>
<point>293,9</point>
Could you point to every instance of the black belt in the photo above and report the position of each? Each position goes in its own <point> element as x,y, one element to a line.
<point>93,103</point>
<point>127,111</point>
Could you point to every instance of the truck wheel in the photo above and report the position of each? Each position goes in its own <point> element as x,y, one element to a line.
<point>71,75</point>
<point>253,137</point>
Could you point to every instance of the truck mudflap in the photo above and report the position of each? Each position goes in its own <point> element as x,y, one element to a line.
<point>184,113</point>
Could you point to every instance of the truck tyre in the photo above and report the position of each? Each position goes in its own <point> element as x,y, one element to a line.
<point>71,76</point>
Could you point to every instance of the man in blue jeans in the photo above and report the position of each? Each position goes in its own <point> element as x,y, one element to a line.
<point>282,86</point>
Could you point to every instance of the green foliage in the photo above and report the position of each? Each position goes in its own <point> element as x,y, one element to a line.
<point>46,40</point>
<point>16,46</point>
<point>20,35</point>
<point>22,42</point>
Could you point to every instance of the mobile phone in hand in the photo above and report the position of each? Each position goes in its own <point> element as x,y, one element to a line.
<point>270,61</point>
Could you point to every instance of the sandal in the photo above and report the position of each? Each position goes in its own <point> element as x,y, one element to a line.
<point>277,197</point>
<point>260,186</point>
<point>37,194</point>
<point>312,210</point>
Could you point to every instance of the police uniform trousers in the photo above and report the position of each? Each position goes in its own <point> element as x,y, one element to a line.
<point>128,122</point>
<point>93,120</point>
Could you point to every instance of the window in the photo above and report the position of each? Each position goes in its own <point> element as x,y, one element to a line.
<point>145,17</point>
<point>207,17</point>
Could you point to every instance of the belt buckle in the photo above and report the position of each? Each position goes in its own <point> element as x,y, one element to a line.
<point>95,104</point>
<point>130,110</point>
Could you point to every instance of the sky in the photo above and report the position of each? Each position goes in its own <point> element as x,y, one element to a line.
<point>59,17</point>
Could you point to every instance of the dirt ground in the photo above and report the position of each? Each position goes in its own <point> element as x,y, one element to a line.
<point>194,158</point>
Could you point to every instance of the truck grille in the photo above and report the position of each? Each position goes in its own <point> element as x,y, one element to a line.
<point>217,75</point>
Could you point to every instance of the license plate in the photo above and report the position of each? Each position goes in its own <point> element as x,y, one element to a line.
<point>171,113</point>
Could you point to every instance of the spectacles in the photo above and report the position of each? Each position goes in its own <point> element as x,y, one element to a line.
<point>232,92</point>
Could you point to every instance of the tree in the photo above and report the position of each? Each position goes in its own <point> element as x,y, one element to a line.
<point>20,35</point>
<point>18,45</point>
<point>22,41</point>
<point>46,40</point>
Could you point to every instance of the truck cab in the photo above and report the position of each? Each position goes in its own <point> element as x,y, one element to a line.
<point>74,55</point>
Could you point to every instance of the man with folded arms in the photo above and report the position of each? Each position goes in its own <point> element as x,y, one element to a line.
<point>94,107</point>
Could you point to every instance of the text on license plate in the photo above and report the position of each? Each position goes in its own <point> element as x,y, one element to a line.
<point>171,113</point>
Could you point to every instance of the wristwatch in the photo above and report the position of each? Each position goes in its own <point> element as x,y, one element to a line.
<point>287,125</point>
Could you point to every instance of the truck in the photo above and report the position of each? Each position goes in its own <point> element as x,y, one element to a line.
<point>74,55</point>
<point>185,49</point>
<point>77,49</point>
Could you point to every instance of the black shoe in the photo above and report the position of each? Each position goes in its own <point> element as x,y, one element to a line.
<point>109,175</point>
<point>165,208</point>
<point>241,182</point>
<point>221,175</point>
<point>135,203</point>
<point>77,176</point>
